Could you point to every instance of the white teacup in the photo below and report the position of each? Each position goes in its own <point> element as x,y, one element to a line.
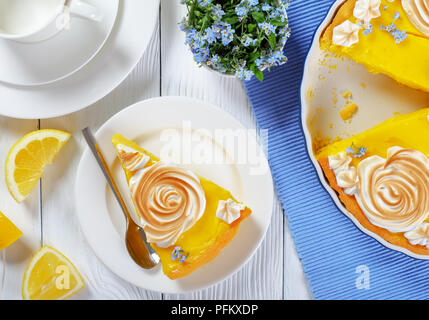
<point>38,20</point>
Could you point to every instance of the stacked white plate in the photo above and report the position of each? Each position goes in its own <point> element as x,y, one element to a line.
<point>78,66</point>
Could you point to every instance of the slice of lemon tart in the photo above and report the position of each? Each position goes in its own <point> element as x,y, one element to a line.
<point>386,36</point>
<point>187,219</point>
<point>382,178</point>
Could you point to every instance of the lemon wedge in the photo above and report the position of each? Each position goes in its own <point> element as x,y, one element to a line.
<point>50,276</point>
<point>9,233</point>
<point>28,157</point>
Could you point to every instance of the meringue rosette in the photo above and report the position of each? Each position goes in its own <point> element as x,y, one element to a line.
<point>170,200</point>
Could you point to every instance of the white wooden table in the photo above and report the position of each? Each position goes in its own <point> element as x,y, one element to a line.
<point>166,68</point>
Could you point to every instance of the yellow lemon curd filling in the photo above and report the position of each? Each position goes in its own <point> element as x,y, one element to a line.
<point>206,238</point>
<point>409,131</point>
<point>406,62</point>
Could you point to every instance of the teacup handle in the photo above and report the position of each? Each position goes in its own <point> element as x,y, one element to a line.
<point>85,10</point>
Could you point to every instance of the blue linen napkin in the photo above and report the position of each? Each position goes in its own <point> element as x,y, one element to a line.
<point>340,261</point>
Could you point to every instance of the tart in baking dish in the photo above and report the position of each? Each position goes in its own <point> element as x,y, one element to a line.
<point>386,36</point>
<point>187,219</point>
<point>381,176</point>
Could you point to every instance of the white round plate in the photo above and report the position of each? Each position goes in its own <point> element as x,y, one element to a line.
<point>134,26</point>
<point>153,124</point>
<point>378,98</point>
<point>32,64</point>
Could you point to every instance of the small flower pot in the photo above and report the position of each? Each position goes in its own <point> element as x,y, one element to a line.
<point>245,55</point>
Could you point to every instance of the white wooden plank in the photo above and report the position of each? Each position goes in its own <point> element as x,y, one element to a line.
<point>60,226</point>
<point>295,283</point>
<point>261,278</point>
<point>15,258</point>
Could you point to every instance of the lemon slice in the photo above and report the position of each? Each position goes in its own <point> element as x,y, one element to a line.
<point>28,157</point>
<point>9,233</point>
<point>50,276</point>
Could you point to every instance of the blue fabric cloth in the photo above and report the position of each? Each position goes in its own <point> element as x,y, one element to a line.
<point>330,246</point>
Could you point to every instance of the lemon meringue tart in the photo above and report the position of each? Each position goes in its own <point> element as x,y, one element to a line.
<point>386,36</point>
<point>381,176</point>
<point>187,219</point>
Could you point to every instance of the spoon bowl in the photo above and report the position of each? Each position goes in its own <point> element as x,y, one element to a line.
<point>141,252</point>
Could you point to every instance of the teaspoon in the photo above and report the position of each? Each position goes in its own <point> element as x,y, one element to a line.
<point>138,247</point>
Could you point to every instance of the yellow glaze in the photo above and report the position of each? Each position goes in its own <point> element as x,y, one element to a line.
<point>410,131</point>
<point>206,238</point>
<point>406,62</point>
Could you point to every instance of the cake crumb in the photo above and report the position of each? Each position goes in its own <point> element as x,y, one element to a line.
<point>347,95</point>
<point>331,125</point>
<point>349,111</point>
<point>316,117</point>
<point>310,93</point>
<point>322,62</point>
<point>320,141</point>
<point>334,97</point>
<point>363,85</point>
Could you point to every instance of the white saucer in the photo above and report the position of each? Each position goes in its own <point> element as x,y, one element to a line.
<point>102,221</point>
<point>130,36</point>
<point>32,64</point>
<point>378,97</point>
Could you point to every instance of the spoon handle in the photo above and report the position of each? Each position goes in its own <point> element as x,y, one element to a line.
<point>90,140</point>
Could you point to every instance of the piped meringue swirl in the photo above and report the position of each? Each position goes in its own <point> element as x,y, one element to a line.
<point>339,162</point>
<point>366,10</point>
<point>229,210</point>
<point>132,159</point>
<point>418,12</point>
<point>419,236</point>
<point>170,200</point>
<point>346,175</point>
<point>394,192</point>
<point>346,34</point>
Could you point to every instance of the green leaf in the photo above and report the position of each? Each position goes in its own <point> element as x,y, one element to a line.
<point>231,20</point>
<point>253,56</point>
<point>258,16</point>
<point>258,74</point>
<point>251,27</point>
<point>278,22</point>
<point>272,40</point>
